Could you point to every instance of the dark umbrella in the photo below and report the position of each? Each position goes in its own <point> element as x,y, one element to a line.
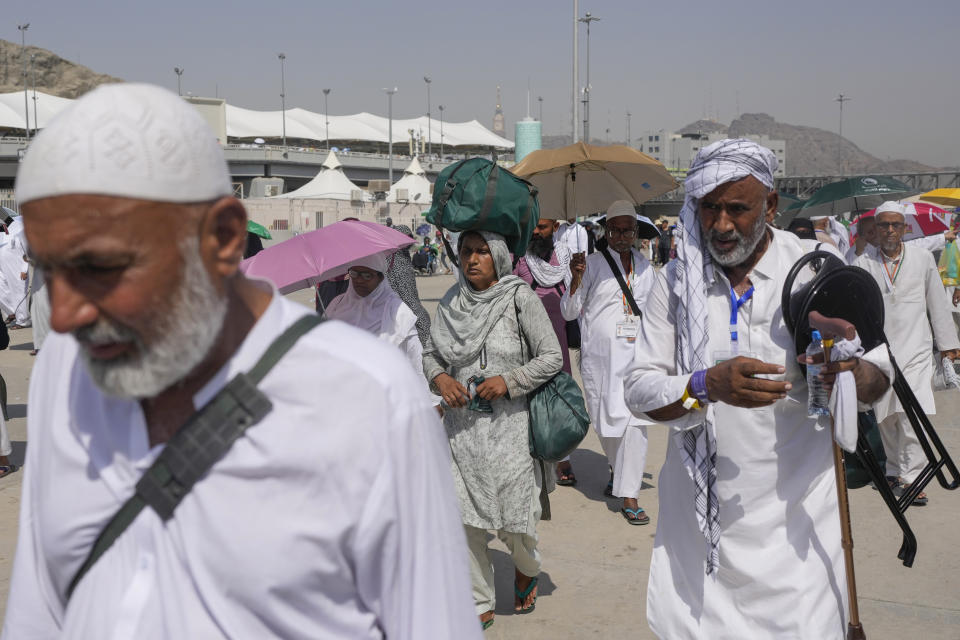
<point>853,194</point>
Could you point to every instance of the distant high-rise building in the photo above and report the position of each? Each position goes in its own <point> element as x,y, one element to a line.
<point>498,125</point>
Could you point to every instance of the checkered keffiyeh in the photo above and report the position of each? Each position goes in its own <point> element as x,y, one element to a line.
<point>716,164</point>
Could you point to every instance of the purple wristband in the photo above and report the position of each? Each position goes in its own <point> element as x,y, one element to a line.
<point>698,385</point>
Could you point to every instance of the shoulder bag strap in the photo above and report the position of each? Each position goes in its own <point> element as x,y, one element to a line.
<point>622,283</point>
<point>198,445</point>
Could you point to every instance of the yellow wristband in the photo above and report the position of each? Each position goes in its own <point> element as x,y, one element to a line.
<point>688,401</point>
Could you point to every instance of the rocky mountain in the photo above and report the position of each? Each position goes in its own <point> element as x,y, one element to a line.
<point>54,75</point>
<point>812,151</point>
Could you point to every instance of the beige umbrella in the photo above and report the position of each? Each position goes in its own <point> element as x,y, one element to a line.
<point>583,179</point>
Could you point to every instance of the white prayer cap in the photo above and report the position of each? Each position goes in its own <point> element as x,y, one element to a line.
<point>621,208</point>
<point>889,207</point>
<point>126,140</point>
<point>377,262</point>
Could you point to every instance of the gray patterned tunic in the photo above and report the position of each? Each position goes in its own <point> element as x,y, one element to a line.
<point>495,478</point>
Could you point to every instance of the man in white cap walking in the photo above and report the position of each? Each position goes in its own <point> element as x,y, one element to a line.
<point>607,293</point>
<point>748,535</point>
<point>189,475</point>
<point>916,316</point>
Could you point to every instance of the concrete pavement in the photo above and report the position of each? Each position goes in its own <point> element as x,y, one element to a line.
<point>595,564</point>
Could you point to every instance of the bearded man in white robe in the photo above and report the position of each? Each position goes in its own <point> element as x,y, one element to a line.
<point>608,328</point>
<point>331,516</point>
<point>916,317</point>
<point>748,536</point>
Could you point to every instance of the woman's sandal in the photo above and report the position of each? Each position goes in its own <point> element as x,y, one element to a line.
<point>522,595</point>
<point>565,476</point>
<point>486,624</point>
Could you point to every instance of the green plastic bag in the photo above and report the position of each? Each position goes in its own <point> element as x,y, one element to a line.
<point>950,265</point>
<point>478,195</point>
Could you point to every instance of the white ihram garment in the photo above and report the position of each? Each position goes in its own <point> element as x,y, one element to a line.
<point>605,358</point>
<point>780,572</point>
<point>573,236</point>
<point>13,289</point>
<point>917,316</point>
<point>334,517</point>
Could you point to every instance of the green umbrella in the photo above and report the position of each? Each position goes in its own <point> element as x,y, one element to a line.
<point>258,230</point>
<point>853,194</point>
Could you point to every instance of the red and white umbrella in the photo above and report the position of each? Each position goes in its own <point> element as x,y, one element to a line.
<point>922,219</point>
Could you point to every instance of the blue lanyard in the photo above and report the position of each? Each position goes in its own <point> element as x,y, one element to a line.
<point>735,304</point>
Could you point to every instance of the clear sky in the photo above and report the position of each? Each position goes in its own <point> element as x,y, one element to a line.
<point>668,63</point>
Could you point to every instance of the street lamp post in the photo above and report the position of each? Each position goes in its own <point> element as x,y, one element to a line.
<point>540,100</point>
<point>587,19</point>
<point>326,115</point>
<point>629,143</point>
<point>429,125</point>
<point>33,81</point>
<point>390,93</point>
<point>576,70</point>
<point>441,131</point>
<point>179,72</point>
<point>283,99</point>
<point>841,99</point>
<point>22,28</point>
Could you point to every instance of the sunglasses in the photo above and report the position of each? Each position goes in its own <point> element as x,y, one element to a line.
<point>366,276</point>
<point>890,225</point>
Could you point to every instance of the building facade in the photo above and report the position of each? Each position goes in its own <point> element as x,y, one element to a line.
<point>677,150</point>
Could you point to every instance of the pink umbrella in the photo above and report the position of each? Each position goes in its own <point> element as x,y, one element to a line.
<point>310,258</point>
<point>922,220</point>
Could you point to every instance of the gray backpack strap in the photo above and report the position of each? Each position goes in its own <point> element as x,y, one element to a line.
<point>198,445</point>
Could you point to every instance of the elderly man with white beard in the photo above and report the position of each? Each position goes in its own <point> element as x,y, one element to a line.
<point>748,539</point>
<point>327,512</point>
<point>916,315</point>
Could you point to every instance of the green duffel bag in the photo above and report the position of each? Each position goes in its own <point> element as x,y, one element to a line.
<point>478,195</point>
<point>558,418</point>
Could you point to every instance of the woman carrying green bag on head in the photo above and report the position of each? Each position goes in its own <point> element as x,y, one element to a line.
<point>475,363</point>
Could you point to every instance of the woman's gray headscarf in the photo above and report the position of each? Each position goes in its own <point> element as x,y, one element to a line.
<point>716,164</point>
<point>465,319</point>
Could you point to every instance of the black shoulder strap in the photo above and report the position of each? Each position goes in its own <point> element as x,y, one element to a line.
<point>198,445</point>
<point>622,283</point>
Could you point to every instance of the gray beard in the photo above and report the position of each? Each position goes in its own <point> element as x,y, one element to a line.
<point>186,332</point>
<point>745,244</point>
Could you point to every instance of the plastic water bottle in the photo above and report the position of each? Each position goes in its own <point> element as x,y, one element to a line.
<point>818,401</point>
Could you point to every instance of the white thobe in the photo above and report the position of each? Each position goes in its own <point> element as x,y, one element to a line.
<point>599,303</point>
<point>573,235</point>
<point>781,571</point>
<point>916,316</point>
<point>931,243</point>
<point>334,517</point>
<point>13,288</point>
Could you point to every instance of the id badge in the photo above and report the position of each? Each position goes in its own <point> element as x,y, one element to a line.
<point>628,328</point>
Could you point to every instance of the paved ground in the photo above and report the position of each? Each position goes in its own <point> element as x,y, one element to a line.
<point>595,565</point>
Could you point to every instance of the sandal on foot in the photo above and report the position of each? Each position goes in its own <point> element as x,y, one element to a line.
<point>486,624</point>
<point>522,595</point>
<point>565,477</point>
<point>635,516</point>
<point>609,490</point>
<point>920,501</point>
<point>7,469</point>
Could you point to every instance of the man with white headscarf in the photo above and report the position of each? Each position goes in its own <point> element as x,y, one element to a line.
<point>320,516</point>
<point>748,537</point>
<point>608,328</point>
<point>372,305</point>
<point>916,316</point>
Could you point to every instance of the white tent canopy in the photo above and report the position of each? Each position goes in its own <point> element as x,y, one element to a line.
<point>415,182</point>
<point>329,184</point>
<point>301,124</point>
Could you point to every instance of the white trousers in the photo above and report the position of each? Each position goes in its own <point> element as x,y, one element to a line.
<point>5,446</point>
<point>905,457</point>
<point>628,457</point>
<point>523,552</point>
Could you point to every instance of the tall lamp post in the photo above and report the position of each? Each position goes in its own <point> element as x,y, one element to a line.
<point>576,71</point>
<point>283,99</point>
<point>629,143</point>
<point>390,93</point>
<point>429,125</point>
<point>540,100</point>
<point>326,115</point>
<point>22,28</point>
<point>441,131</point>
<point>33,81</point>
<point>179,72</point>
<point>841,99</point>
<point>587,19</point>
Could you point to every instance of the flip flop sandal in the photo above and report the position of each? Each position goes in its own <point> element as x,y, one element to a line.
<point>639,517</point>
<point>566,478</point>
<point>522,595</point>
<point>7,469</point>
<point>920,501</point>
<point>486,624</point>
